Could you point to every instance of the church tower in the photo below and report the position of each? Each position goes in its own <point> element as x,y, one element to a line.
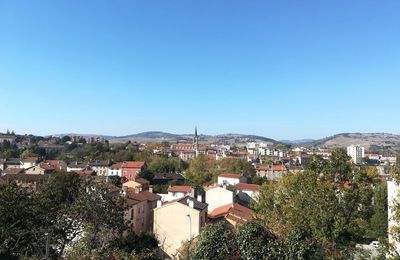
<point>196,142</point>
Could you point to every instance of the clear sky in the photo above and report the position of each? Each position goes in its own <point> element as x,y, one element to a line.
<point>281,69</point>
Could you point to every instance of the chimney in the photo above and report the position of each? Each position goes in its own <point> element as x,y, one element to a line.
<point>123,191</point>
<point>191,203</point>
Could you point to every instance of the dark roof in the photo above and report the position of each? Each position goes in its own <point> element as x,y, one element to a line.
<point>77,165</point>
<point>168,176</point>
<point>142,181</point>
<point>142,196</point>
<point>12,161</point>
<point>24,177</point>
<point>100,163</point>
<point>13,171</point>
<point>196,204</point>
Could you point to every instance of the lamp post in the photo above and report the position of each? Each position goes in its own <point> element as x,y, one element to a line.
<point>190,235</point>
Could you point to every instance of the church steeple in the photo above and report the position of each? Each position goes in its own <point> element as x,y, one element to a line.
<point>196,142</point>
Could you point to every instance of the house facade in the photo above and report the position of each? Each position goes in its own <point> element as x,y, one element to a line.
<point>218,196</point>
<point>177,222</point>
<point>231,179</point>
<point>131,170</point>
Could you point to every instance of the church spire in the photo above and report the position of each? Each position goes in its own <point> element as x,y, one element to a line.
<point>196,142</point>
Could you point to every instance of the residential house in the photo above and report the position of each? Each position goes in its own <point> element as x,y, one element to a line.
<point>56,165</point>
<point>231,179</point>
<point>247,192</point>
<point>176,192</point>
<point>271,172</point>
<point>233,213</point>
<point>137,185</point>
<point>85,172</point>
<point>100,167</point>
<point>12,163</point>
<point>218,196</point>
<point>178,221</point>
<point>29,162</point>
<point>139,212</point>
<point>76,166</point>
<point>167,177</point>
<point>7,138</point>
<point>131,170</point>
<point>13,171</point>
<point>38,170</point>
<point>115,169</point>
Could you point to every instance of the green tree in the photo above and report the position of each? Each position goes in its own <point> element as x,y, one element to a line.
<point>379,220</point>
<point>255,242</point>
<point>200,170</point>
<point>216,241</point>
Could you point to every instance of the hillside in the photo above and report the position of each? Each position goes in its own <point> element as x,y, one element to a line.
<point>378,142</point>
<point>155,136</point>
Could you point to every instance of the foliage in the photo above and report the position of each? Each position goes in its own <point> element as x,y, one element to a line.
<point>379,220</point>
<point>331,201</point>
<point>200,170</point>
<point>75,213</point>
<point>215,242</point>
<point>253,241</point>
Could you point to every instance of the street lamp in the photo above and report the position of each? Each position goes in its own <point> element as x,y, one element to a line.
<point>190,235</point>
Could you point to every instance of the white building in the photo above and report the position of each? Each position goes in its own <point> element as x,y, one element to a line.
<point>29,162</point>
<point>115,170</point>
<point>247,192</point>
<point>218,196</point>
<point>393,198</point>
<point>177,192</point>
<point>231,179</point>
<point>356,153</point>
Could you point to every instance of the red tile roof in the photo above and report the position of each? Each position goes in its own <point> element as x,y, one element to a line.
<point>116,165</point>
<point>230,175</point>
<point>30,159</point>
<point>233,210</point>
<point>247,186</point>
<point>276,168</point>
<point>132,164</point>
<point>180,189</point>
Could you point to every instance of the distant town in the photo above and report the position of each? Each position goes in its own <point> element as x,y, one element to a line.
<point>176,192</point>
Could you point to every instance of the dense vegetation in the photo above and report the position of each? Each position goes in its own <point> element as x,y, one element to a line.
<point>320,213</point>
<point>74,215</point>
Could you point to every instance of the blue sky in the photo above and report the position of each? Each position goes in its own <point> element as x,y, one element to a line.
<point>282,69</point>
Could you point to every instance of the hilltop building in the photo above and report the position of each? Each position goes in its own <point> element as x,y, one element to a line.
<point>356,153</point>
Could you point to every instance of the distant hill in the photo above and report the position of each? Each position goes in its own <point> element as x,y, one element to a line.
<point>297,142</point>
<point>378,142</point>
<point>157,136</point>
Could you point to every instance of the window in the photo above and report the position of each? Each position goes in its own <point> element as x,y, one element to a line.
<point>132,214</point>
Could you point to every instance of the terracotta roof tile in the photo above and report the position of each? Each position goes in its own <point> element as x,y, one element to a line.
<point>232,210</point>
<point>247,186</point>
<point>230,175</point>
<point>180,189</point>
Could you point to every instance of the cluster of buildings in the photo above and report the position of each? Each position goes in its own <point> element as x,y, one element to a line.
<point>227,200</point>
<point>174,218</point>
<point>88,139</point>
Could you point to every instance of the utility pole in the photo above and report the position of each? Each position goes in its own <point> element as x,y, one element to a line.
<point>190,236</point>
<point>47,246</point>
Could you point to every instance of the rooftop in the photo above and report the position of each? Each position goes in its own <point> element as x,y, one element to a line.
<point>180,189</point>
<point>230,175</point>
<point>196,204</point>
<point>247,186</point>
<point>232,210</point>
